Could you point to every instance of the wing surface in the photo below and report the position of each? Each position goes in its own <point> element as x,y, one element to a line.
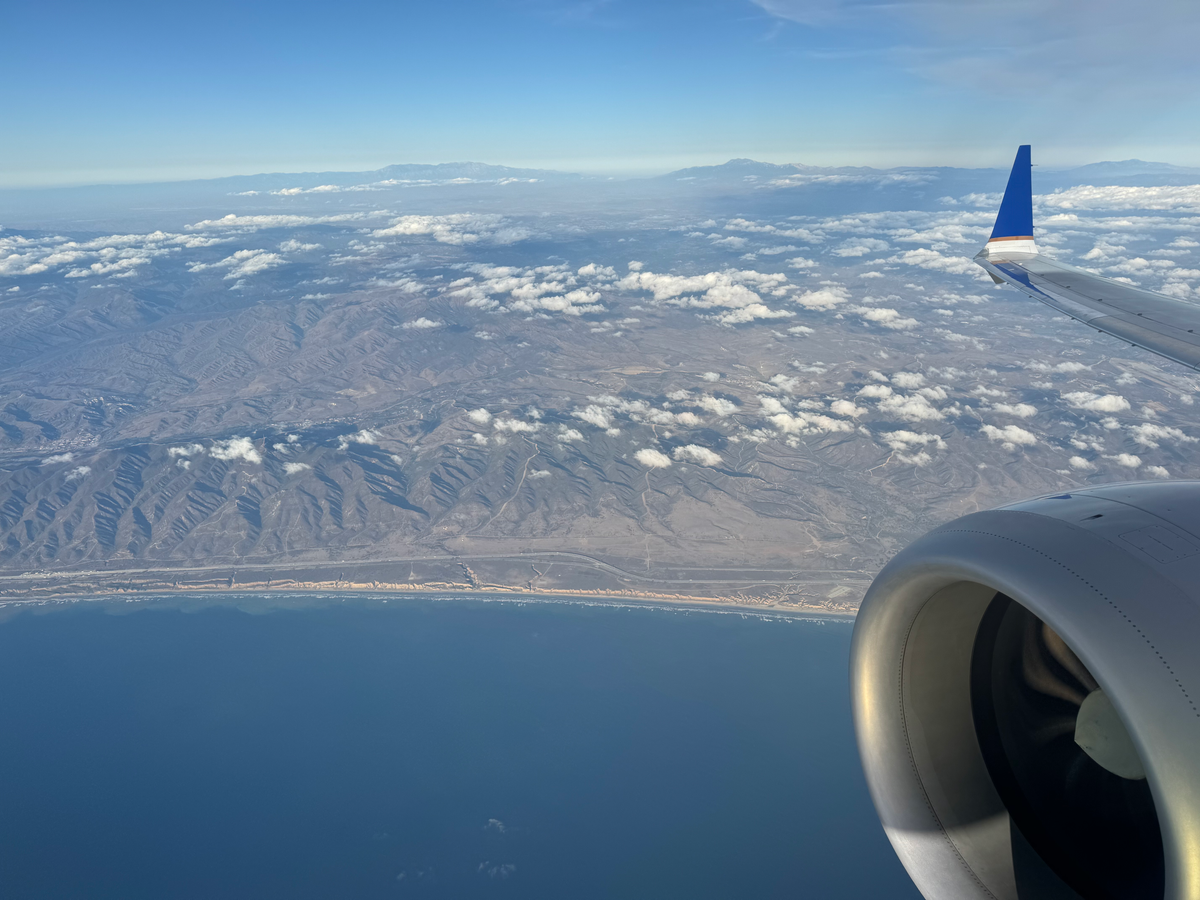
<point>1155,322</point>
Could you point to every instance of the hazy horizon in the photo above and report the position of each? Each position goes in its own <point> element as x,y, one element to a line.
<point>597,174</point>
<point>593,85</point>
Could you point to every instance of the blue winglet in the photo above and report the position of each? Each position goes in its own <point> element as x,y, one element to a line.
<point>1015,220</point>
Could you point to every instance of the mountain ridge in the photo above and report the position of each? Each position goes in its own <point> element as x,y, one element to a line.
<point>738,168</point>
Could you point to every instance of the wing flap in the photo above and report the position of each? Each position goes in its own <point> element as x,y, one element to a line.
<point>1157,323</point>
<point>1172,347</point>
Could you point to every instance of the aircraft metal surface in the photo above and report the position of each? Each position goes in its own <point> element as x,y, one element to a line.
<point>1155,322</point>
<point>1025,680</point>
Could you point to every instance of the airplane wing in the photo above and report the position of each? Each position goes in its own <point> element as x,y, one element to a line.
<point>1155,322</point>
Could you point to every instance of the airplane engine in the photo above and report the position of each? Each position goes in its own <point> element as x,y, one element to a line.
<point>1026,690</point>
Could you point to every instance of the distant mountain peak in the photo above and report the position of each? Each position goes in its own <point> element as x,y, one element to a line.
<point>473,170</point>
<point>742,169</point>
<point>1131,167</point>
<point>734,168</point>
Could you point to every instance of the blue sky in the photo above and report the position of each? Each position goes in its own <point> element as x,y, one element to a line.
<point>139,91</point>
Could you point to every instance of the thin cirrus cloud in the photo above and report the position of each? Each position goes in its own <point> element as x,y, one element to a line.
<point>1089,49</point>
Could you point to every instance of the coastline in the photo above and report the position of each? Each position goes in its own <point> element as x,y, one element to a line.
<point>293,598</point>
<point>820,594</point>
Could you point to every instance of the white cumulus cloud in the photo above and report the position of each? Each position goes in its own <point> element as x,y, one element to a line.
<point>1126,460</point>
<point>908,380</point>
<point>846,408</point>
<point>860,247</point>
<point>1149,434</point>
<point>931,259</point>
<point>236,448</point>
<point>738,291</point>
<point>457,228</point>
<point>1108,403</point>
<point>1179,197</point>
<point>1069,368</point>
<point>718,406</point>
<point>594,415</point>
<point>238,223</point>
<point>888,318</point>
<point>1020,410</point>
<point>242,263</point>
<point>652,459</point>
<point>422,323</point>
<point>697,454</point>
<point>516,426</point>
<point>1012,436</point>
<point>826,297</point>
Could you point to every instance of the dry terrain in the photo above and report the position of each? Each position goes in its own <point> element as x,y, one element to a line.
<point>755,387</point>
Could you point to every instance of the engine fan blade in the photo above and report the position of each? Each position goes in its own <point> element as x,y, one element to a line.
<point>1098,831</point>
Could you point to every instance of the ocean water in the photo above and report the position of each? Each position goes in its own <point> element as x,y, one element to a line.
<point>422,748</point>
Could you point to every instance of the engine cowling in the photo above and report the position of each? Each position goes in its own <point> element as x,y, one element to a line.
<point>1026,690</point>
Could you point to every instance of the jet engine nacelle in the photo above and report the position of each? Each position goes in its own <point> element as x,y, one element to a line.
<point>1026,688</point>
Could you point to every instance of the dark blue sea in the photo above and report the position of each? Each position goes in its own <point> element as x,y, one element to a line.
<point>429,748</point>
